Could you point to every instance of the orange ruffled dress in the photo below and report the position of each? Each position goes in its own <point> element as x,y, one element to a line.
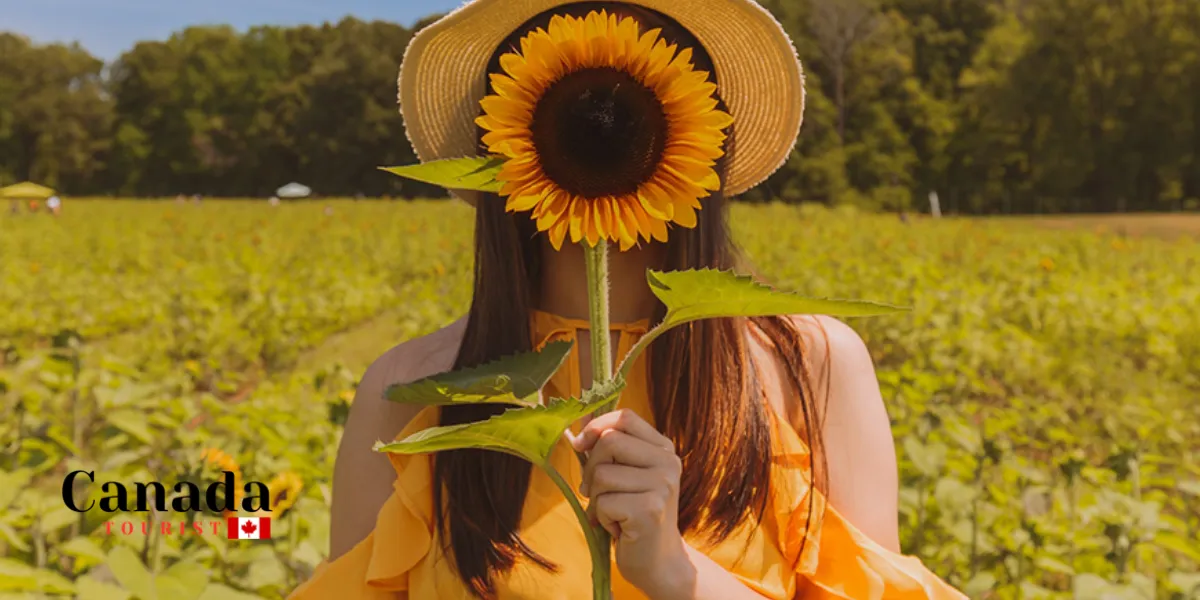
<point>401,560</point>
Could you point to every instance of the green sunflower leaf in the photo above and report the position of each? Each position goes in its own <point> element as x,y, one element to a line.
<point>476,173</point>
<point>529,432</point>
<point>510,380</point>
<point>708,293</point>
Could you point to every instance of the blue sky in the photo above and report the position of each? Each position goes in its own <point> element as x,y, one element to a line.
<point>109,27</point>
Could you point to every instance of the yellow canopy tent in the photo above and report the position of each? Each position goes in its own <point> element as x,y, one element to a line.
<point>26,191</point>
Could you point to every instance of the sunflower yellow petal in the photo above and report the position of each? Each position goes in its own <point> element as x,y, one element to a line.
<point>627,37</point>
<point>551,214</point>
<point>523,203</point>
<point>588,224</point>
<point>560,28</point>
<point>685,216</point>
<point>557,232</point>
<point>499,135</point>
<point>690,104</point>
<point>678,185</point>
<point>680,84</point>
<point>658,230</point>
<point>691,168</point>
<point>633,207</point>
<point>546,55</point>
<point>507,87</point>
<point>654,201</point>
<point>625,238</point>
<point>515,113</point>
<point>602,216</point>
<point>626,221</point>
<point>708,152</point>
<point>716,119</point>
<point>514,65</point>
<point>683,60</point>
<point>686,89</point>
<point>519,168</point>
<point>576,213</point>
<point>515,148</point>
<point>528,197</point>
<point>711,181</point>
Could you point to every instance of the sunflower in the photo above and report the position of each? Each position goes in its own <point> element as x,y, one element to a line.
<point>220,459</point>
<point>608,132</point>
<point>284,489</point>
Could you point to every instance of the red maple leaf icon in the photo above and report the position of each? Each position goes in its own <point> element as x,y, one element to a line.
<point>248,527</point>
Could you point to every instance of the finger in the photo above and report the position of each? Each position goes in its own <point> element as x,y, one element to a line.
<point>621,448</point>
<point>628,516</point>
<point>613,478</point>
<point>623,420</point>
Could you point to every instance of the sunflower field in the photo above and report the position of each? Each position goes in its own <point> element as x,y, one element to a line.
<point>1044,389</point>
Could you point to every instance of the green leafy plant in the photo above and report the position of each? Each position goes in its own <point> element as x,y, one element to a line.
<point>1055,373</point>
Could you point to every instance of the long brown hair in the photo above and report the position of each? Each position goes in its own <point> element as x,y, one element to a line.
<point>703,389</point>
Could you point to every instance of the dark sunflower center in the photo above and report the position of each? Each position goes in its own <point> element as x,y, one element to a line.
<point>599,132</point>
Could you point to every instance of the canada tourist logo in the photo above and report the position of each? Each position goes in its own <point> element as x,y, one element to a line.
<point>225,496</point>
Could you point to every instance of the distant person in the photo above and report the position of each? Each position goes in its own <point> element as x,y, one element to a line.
<point>273,201</point>
<point>722,424</point>
<point>54,204</point>
<point>33,206</point>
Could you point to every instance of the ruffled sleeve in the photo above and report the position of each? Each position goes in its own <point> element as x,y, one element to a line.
<point>852,566</point>
<point>379,566</point>
<point>832,559</point>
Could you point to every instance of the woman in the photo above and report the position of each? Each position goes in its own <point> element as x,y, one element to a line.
<point>748,458</point>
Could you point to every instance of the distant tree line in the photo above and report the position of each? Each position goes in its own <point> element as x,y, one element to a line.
<point>998,106</point>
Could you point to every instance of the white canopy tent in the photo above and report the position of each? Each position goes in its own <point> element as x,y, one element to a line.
<point>294,190</point>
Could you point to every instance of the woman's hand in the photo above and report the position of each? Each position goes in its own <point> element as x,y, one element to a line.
<point>632,478</point>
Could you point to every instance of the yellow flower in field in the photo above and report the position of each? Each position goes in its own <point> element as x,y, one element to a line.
<point>609,132</point>
<point>222,461</point>
<point>346,396</point>
<point>219,460</point>
<point>284,489</point>
<point>1047,264</point>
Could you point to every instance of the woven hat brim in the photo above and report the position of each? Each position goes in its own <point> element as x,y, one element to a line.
<point>443,77</point>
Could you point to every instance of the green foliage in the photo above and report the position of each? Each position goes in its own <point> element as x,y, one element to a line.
<point>471,173</point>
<point>1041,388</point>
<point>529,432</point>
<point>510,380</point>
<point>998,106</point>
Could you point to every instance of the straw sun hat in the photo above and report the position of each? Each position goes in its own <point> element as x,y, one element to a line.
<point>442,78</point>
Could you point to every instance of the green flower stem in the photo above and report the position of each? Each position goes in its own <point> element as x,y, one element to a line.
<point>601,577</point>
<point>596,261</point>
<point>643,343</point>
